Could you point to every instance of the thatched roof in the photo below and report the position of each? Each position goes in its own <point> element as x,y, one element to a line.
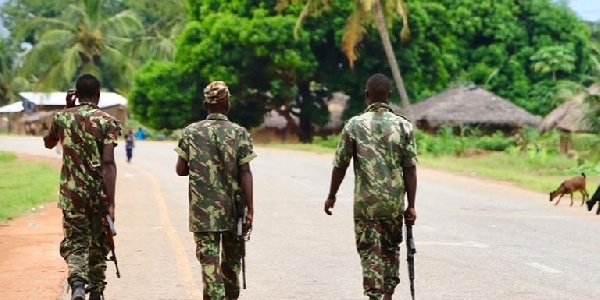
<point>470,105</point>
<point>569,115</point>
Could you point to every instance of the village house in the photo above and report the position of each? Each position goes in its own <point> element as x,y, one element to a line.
<point>15,118</point>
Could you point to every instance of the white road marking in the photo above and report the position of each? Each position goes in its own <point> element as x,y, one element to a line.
<point>542,267</point>
<point>470,244</point>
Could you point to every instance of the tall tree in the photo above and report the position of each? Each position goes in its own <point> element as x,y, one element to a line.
<point>364,12</point>
<point>84,39</point>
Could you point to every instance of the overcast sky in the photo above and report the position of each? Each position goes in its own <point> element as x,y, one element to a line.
<point>588,10</point>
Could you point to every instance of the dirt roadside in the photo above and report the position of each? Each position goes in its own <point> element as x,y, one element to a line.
<point>30,264</point>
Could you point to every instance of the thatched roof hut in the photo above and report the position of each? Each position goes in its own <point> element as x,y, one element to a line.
<point>568,117</point>
<point>471,106</point>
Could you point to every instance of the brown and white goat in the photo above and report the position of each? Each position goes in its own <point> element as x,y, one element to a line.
<point>571,186</point>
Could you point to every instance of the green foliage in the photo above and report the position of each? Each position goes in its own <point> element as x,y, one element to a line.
<point>106,38</point>
<point>486,42</point>
<point>17,193</point>
<point>83,39</point>
<point>254,52</point>
<point>552,59</point>
<point>161,98</point>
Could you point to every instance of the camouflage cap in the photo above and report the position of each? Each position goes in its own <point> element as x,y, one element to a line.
<point>216,92</point>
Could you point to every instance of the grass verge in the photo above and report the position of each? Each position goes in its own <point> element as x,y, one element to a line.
<point>525,172</point>
<point>24,185</point>
<point>530,173</point>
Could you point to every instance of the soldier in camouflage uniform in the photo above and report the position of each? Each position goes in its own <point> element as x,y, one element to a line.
<point>384,152</point>
<point>216,154</point>
<point>88,136</point>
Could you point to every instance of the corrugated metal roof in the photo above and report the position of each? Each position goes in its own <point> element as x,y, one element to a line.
<point>107,99</point>
<point>12,108</point>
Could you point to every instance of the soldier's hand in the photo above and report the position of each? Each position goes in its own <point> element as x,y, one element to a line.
<point>248,224</point>
<point>410,216</point>
<point>71,97</point>
<point>329,204</point>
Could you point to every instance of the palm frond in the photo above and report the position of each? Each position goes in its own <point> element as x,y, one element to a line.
<point>353,34</point>
<point>402,10</point>
<point>125,24</point>
<point>56,37</point>
<point>71,61</point>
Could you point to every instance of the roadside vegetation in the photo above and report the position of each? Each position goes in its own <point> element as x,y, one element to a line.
<point>24,185</point>
<point>528,159</point>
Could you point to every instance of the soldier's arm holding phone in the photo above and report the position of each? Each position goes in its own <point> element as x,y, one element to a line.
<point>52,138</point>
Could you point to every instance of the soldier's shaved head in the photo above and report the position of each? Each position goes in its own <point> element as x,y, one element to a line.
<point>378,89</point>
<point>88,88</point>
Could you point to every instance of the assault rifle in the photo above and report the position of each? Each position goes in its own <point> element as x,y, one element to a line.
<point>111,232</point>
<point>240,208</point>
<point>410,258</point>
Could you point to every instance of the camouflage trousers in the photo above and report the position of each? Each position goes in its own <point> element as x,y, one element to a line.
<point>219,254</point>
<point>378,245</point>
<point>84,249</point>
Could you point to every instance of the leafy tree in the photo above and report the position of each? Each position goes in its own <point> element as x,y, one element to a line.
<point>366,11</point>
<point>255,53</point>
<point>552,59</point>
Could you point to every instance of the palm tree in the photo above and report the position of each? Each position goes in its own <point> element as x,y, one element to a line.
<point>365,11</point>
<point>83,40</point>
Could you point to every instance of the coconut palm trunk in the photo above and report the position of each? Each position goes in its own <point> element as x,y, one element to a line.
<point>389,52</point>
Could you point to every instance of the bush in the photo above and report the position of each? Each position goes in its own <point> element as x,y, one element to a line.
<point>496,142</point>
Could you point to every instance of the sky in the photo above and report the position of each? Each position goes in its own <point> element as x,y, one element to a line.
<point>588,10</point>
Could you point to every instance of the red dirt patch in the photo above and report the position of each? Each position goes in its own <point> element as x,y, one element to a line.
<point>30,264</point>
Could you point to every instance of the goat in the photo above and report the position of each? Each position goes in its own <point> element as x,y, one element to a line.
<point>595,198</point>
<point>571,186</point>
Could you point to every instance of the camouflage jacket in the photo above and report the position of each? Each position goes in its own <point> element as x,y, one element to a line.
<point>83,131</point>
<point>214,150</point>
<point>381,143</point>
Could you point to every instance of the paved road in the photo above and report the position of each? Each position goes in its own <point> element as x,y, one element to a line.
<point>476,239</point>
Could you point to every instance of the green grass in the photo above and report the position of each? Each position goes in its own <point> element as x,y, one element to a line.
<point>24,185</point>
<point>539,175</point>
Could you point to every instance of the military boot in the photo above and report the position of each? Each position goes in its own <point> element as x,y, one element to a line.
<point>590,204</point>
<point>77,291</point>
<point>96,296</point>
